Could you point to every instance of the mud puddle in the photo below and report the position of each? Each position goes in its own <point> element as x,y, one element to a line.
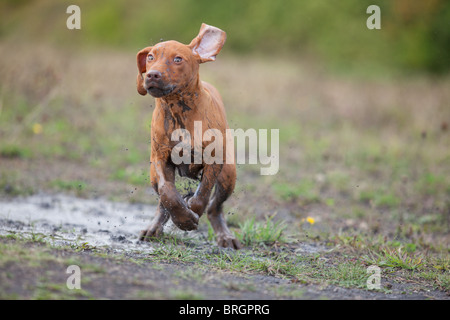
<point>64,220</point>
<point>67,220</point>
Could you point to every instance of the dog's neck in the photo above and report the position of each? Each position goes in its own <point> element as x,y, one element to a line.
<point>184,101</point>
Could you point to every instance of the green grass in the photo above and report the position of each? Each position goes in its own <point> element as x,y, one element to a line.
<point>397,258</point>
<point>11,184</point>
<point>46,290</point>
<point>173,253</point>
<point>257,233</point>
<point>248,263</point>
<point>68,185</point>
<point>429,184</point>
<point>348,274</point>
<point>344,267</point>
<point>186,294</point>
<point>14,151</point>
<point>132,175</point>
<point>305,190</point>
<point>379,198</point>
<point>347,270</point>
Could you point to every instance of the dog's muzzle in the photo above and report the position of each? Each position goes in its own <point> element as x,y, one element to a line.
<point>155,85</point>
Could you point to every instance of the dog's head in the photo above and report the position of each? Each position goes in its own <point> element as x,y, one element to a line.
<point>171,66</point>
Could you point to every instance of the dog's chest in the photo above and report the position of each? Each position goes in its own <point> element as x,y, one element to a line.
<point>175,116</point>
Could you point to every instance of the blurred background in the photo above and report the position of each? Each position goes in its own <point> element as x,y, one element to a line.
<point>363,114</point>
<point>415,34</point>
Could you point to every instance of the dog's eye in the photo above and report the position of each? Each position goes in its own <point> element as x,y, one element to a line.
<point>177,59</point>
<point>150,57</point>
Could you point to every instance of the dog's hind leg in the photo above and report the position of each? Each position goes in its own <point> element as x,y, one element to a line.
<point>223,189</point>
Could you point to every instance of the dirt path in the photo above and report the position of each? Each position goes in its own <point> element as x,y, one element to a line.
<point>43,234</point>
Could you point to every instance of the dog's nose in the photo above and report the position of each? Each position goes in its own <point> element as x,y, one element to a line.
<point>154,75</point>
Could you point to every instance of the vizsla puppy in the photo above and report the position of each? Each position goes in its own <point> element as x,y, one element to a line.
<point>169,71</point>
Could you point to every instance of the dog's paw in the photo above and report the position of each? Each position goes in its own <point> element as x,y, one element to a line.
<point>196,204</point>
<point>187,221</point>
<point>228,241</point>
<point>153,232</point>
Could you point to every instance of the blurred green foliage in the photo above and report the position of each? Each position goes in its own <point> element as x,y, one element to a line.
<point>414,35</point>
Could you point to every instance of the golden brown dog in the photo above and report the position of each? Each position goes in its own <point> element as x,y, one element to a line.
<point>169,71</point>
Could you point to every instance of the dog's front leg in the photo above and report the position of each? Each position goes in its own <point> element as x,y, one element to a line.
<point>155,230</point>
<point>200,199</point>
<point>170,199</point>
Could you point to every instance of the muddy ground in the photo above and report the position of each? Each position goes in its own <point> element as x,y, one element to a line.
<point>45,233</point>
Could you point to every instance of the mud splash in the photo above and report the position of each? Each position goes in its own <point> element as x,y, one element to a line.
<point>66,220</point>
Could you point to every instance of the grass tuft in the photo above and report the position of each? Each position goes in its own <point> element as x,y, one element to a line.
<point>396,258</point>
<point>254,233</point>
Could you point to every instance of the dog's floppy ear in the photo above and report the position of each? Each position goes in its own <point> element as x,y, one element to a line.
<point>141,59</point>
<point>208,43</point>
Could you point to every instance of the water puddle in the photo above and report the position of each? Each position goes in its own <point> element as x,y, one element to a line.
<point>64,220</point>
<point>67,220</point>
